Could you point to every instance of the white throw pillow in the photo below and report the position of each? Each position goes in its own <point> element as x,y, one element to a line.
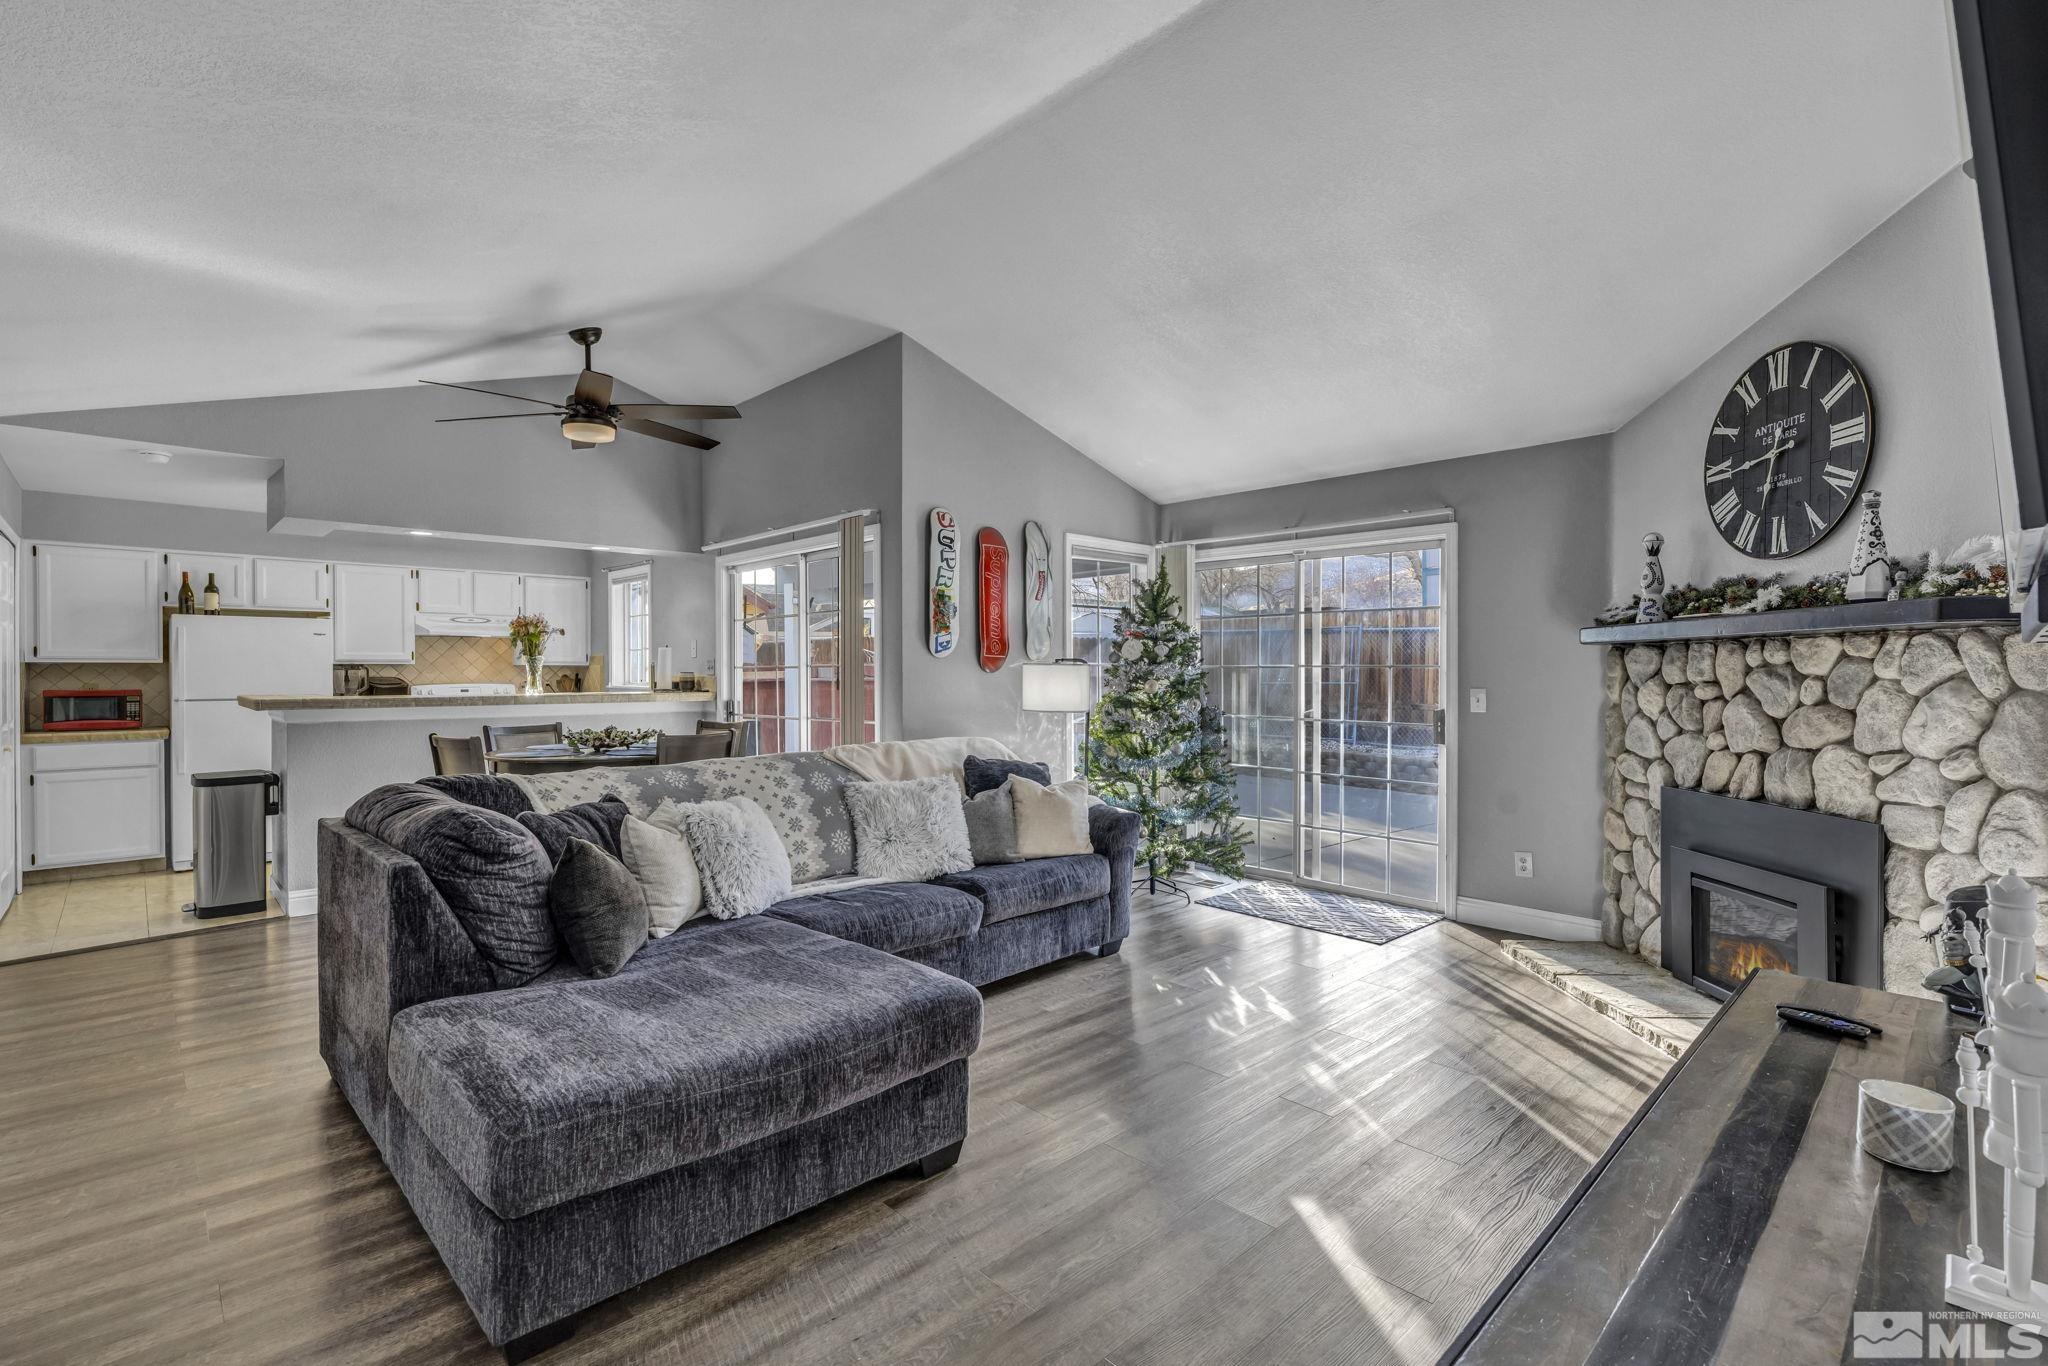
<point>656,854</point>
<point>1051,821</point>
<point>739,856</point>
<point>909,831</point>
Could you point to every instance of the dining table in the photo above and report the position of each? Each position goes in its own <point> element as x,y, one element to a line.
<point>554,760</point>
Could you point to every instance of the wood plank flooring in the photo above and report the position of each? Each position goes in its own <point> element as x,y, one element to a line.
<point>1238,1142</point>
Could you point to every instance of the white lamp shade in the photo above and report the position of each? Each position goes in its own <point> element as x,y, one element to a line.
<point>1056,687</point>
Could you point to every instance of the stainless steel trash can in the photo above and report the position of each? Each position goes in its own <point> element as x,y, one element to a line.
<point>229,812</point>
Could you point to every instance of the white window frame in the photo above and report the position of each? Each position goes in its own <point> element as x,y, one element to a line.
<point>727,667</point>
<point>615,626</point>
<point>1081,543</point>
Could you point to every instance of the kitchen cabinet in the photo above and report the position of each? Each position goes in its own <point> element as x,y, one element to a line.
<point>442,590</point>
<point>230,575</point>
<point>373,614</point>
<point>565,602</point>
<point>99,802</point>
<point>97,602</point>
<point>290,585</point>
<point>494,595</point>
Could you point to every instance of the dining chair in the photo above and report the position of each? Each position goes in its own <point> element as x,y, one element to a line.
<point>681,749</point>
<point>522,737</point>
<point>734,731</point>
<point>457,754</point>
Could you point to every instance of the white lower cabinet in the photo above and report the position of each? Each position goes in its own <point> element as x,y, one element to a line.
<point>100,801</point>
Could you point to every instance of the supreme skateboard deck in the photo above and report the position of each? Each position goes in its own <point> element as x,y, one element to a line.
<point>995,598</point>
<point>945,582</point>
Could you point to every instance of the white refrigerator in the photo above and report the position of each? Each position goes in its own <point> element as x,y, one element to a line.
<point>214,660</point>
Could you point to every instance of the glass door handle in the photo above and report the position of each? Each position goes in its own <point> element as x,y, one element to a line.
<point>1439,724</point>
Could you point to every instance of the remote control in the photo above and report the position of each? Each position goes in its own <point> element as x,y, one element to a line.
<point>1824,1024</point>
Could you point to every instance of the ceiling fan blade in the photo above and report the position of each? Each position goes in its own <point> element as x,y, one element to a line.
<point>495,393</point>
<point>661,433</point>
<point>595,388</point>
<point>680,412</point>
<point>492,417</point>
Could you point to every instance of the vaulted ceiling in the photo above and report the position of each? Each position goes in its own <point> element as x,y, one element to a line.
<point>1213,245</point>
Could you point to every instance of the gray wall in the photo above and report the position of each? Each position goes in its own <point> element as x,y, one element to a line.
<point>377,458</point>
<point>10,499</point>
<point>967,450</point>
<point>1532,569</point>
<point>1909,304</point>
<point>681,586</point>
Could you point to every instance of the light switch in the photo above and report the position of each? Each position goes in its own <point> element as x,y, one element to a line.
<point>1478,696</point>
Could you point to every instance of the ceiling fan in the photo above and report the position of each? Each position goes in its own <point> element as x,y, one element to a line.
<point>590,418</point>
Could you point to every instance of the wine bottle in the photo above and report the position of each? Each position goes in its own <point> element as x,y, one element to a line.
<point>185,604</point>
<point>209,601</point>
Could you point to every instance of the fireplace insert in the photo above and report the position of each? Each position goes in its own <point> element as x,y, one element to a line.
<point>1744,918</point>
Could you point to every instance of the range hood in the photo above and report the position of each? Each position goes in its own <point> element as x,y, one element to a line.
<point>460,624</point>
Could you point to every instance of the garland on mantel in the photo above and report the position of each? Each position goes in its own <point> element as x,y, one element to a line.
<point>1976,570</point>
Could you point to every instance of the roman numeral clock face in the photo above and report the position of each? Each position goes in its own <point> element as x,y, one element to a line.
<point>1788,449</point>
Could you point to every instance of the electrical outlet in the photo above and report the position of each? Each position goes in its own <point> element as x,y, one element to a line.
<point>1478,701</point>
<point>1525,865</point>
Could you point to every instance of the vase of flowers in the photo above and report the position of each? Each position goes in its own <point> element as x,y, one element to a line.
<point>530,632</point>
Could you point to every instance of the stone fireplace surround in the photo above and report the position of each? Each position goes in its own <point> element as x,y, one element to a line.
<point>1940,736</point>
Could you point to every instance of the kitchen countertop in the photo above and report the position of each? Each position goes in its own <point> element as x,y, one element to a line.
<point>86,737</point>
<point>364,702</point>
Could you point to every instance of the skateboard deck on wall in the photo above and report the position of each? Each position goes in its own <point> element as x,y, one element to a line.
<point>995,598</point>
<point>1037,594</point>
<point>945,582</point>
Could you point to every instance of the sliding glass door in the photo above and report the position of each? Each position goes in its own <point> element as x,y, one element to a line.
<point>785,644</point>
<point>1330,664</point>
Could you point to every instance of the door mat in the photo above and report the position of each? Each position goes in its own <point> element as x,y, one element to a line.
<point>1376,922</point>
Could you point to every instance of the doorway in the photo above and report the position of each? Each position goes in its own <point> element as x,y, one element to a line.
<point>1332,662</point>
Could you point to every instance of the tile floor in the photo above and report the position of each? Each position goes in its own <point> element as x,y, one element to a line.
<point>92,912</point>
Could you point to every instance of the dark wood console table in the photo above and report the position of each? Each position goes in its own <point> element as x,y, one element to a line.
<point>1734,1219</point>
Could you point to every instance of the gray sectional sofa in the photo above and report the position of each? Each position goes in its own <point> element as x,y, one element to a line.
<point>564,1138</point>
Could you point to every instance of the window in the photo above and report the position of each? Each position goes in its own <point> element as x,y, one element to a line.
<point>1102,577</point>
<point>783,643</point>
<point>629,661</point>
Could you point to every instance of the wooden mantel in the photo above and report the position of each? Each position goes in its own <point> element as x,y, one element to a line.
<point>1909,614</point>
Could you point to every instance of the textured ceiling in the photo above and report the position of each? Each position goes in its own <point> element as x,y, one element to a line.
<point>1213,246</point>
<point>108,467</point>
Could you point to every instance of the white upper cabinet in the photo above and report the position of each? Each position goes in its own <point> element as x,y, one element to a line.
<point>494,595</point>
<point>565,602</point>
<point>230,574</point>
<point>95,602</point>
<point>373,614</point>
<point>290,585</point>
<point>443,590</point>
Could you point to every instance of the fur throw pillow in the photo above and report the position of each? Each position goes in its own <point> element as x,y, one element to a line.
<point>740,858</point>
<point>909,831</point>
<point>1051,821</point>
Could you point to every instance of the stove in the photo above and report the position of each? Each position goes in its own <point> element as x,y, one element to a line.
<point>463,689</point>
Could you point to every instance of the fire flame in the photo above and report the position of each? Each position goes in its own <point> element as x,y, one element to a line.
<point>1737,961</point>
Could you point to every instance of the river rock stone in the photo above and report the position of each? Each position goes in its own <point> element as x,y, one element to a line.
<point>1717,740</point>
<point>1642,662</point>
<point>1717,770</point>
<point>1912,827</point>
<point>1730,667</point>
<point>2014,750</point>
<point>1645,861</point>
<point>2027,665</point>
<point>2014,838</point>
<point>1881,718</point>
<point>1928,662</point>
<point>1631,936</point>
<point>1788,779</point>
<point>1776,687</point>
<point>1863,645</point>
<point>1905,959</point>
<point>1946,872</point>
<point>1747,782</point>
<point>1687,755</point>
<point>1685,709</point>
<point>1707,692</point>
<point>1610,878</point>
<point>1847,680</point>
<point>1632,767</point>
<point>1674,662</point>
<point>1636,814</point>
<point>1611,676</point>
<point>1963,766</point>
<point>1659,779</point>
<point>1884,765</point>
<point>1905,882</point>
<point>1984,657</point>
<point>1651,944</point>
<point>1842,784</point>
<point>1812,690</point>
<point>1699,662</point>
<point>1615,829</point>
<point>1964,816</point>
<point>1710,714</point>
<point>1774,651</point>
<point>1885,663</point>
<point>1951,715</point>
<point>1629,710</point>
<point>1666,728</point>
<point>1610,922</point>
<point>1748,727</point>
<point>1919,783</point>
<point>1637,790</point>
<point>1818,726</point>
<point>1642,738</point>
<point>1610,732</point>
<point>1650,697</point>
<point>1612,787</point>
<point>1815,655</point>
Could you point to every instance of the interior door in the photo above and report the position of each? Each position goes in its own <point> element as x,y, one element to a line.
<point>10,717</point>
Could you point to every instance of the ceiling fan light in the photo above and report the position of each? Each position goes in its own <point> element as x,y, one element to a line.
<point>597,431</point>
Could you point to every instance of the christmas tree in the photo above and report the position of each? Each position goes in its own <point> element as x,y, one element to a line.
<point>1157,747</point>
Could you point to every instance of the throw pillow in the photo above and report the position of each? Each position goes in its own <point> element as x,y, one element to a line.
<point>985,775</point>
<point>739,856</point>
<point>656,854</point>
<point>992,826</point>
<point>491,791</point>
<point>598,908</point>
<point>1051,821</point>
<point>597,821</point>
<point>909,831</point>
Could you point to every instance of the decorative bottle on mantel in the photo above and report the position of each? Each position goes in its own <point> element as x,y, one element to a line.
<point>186,604</point>
<point>209,601</point>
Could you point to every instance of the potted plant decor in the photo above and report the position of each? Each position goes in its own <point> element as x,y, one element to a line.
<point>530,632</point>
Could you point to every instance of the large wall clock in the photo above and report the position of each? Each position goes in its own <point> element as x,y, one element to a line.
<point>1788,449</point>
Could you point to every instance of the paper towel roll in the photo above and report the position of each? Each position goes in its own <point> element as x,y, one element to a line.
<point>1907,1126</point>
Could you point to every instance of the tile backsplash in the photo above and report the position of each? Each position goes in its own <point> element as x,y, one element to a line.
<point>154,680</point>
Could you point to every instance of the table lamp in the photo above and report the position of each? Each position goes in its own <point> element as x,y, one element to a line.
<point>1060,685</point>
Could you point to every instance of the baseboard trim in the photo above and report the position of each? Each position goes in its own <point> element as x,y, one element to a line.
<point>1500,915</point>
<point>300,903</point>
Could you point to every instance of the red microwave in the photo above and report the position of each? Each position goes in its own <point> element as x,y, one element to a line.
<point>92,709</point>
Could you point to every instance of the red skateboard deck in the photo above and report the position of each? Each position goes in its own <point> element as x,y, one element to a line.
<point>995,598</point>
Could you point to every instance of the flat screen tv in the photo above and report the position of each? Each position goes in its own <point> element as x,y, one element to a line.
<point>2002,50</point>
